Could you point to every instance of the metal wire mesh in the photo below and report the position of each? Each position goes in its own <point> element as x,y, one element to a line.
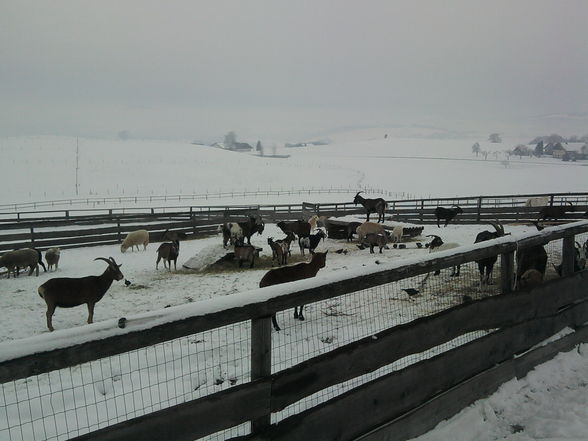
<point>84,398</point>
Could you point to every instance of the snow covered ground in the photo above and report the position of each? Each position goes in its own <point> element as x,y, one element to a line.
<point>550,403</point>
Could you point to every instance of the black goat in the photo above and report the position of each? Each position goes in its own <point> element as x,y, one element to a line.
<point>311,242</point>
<point>350,228</point>
<point>251,226</point>
<point>532,258</point>
<point>299,227</point>
<point>555,212</point>
<point>378,206</point>
<point>485,266</point>
<point>447,214</point>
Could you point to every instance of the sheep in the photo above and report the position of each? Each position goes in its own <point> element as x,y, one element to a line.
<point>378,206</point>
<point>539,201</point>
<point>279,252</point>
<point>351,229</point>
<point>251,226</point>
<point>447,214</point>
<point>134,239</point>
<point>367,228</point>
<point>232,233</point>
<point>485,266</point>
<point>376,240</point>
<point>67,292</point>
<point>304,270</point>
<point>168,251</point>
<point>52,258</point>
<point>397,233</point>
<point>311,242</point>
<point>437,245</point>
<point>23,258</point>
<point>246,253</point>
<point>555,212</point>
<point>530,279</point>
<point>300,228</point>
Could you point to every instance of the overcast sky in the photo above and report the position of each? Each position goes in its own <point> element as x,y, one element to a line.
<point>284,69</point>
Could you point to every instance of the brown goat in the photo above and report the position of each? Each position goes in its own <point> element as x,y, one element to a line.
<point>555,212</point>
<point>285,274</point>
<point>67,292</point>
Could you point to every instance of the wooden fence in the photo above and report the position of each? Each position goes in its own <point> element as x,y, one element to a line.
<point>75,228</point>
<point>394,406</point>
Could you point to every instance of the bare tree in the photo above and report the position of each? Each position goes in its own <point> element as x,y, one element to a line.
<point>494,137</point>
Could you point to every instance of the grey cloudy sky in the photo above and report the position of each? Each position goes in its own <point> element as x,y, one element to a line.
<point>283,68</point>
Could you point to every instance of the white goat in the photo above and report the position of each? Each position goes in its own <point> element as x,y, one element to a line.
<point>313,221</point>
<point>397,233</point>
<point>134,239</point>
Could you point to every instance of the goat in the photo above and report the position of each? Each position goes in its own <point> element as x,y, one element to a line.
<point>67,292</point>
<point>311,242</point>
<point>397,233</point>
<point>23,258</point>
<point>174,235</point>
<point>579,258</point>
<point>528,259</point>
<point>539,201</point>
<point>447,214</point>
<point>134,239</point>
<point>168,251</point>
<point>367,228</point>
<point>246,253</point>
<point>323,221</point>
<point>279,251</point>
<point>313,221</point>
<point>485,266</point>
<point>251,226</point>
<point>376,240</point>
<point>52,257</point>
<point>437,245</point>
<point>232,233</point>
<point>285,243</point>
<point>555,212</point>
<point>304,270</point>
<point>378,206</point>
<point>300,228</point>
<point>351,229</point>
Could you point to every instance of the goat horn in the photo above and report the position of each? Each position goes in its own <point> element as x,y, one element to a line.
<point>433,235</point>
<point>105,259</point>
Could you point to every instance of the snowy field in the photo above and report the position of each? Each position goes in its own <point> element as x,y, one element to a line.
<point>413,167</point>
<point>416,167</point>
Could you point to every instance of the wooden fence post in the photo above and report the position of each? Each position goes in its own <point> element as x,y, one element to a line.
<point>479,213</point>
<point>422,210</point>
<point>506,272</point>
<point>118,231</point>
<point>261,362</point>
<point>568,255</point>
<point>32,238</point>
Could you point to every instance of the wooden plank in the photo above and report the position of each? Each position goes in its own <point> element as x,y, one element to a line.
<point>191,420</point>
<point>447,404</point>
<point>392,395</point>
<point>261,363</point>
<point>374,352</point>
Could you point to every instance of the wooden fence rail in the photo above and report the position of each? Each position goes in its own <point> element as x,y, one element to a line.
<point>198,221</point>
<point>515,323</point>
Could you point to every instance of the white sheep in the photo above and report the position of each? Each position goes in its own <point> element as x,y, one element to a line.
<point>134,239</point>
<point>539,201</point>
<point>397,233</point>
<point>367,228</point>
<point>52,258</point>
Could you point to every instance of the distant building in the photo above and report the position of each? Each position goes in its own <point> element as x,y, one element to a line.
<point>241,147</point>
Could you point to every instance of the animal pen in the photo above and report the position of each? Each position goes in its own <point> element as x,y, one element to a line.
<point>353,370</point>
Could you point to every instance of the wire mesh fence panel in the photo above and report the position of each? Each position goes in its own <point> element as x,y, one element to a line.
<point>344,319</point>
<point>80,399</point>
